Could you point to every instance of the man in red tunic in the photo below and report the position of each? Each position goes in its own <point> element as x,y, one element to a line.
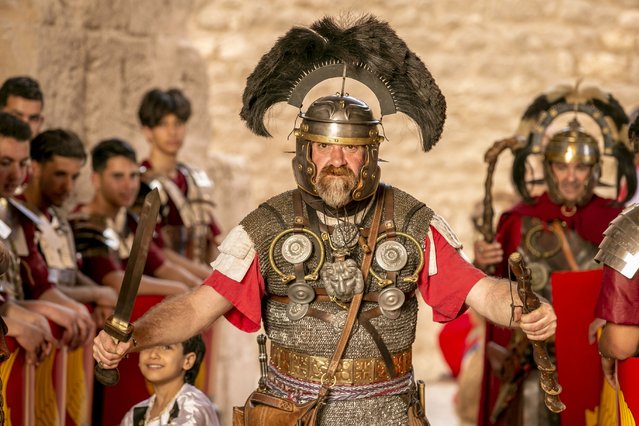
<point>104,227</point>
<point>558,230</point>
<point>187,231</point>
<point>618,302</point>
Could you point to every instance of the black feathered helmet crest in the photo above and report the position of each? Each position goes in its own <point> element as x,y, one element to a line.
<point>574,143</point>
<point>367,50</point>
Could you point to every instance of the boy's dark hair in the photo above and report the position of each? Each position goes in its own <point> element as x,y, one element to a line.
<point>13,127</point>
<point>194,344</point>
<point>22,86</point>
<point>157,103</point>
<point>60,142</point>
<point>109,148</point>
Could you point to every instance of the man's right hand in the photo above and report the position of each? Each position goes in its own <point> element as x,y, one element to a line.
<point>36,342</point>
<point>487,254</point>
<point>107,353</point>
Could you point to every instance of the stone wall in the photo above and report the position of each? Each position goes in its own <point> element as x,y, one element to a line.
<point>490,58</point>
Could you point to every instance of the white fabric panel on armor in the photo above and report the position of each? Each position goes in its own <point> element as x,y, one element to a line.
<point>236,254</point>
<point>449,235</point>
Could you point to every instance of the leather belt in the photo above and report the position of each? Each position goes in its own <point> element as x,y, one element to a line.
<point>322,296</point>
<point>353,371</point>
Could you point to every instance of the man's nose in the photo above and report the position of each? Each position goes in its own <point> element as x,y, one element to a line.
<point>337,157</point>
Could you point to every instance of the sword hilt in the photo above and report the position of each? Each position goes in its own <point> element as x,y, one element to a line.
<point>119,331</point>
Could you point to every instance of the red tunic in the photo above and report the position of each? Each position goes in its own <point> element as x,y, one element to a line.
<point>34,271</point>
<point>445,291</point>
<point>590,221</point>
<point>618,298</point>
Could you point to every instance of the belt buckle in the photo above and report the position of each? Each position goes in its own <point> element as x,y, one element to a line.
<point>327,385</point>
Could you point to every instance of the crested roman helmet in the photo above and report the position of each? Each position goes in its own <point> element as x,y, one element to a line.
<point>574,144</point>
<point>367,50</point>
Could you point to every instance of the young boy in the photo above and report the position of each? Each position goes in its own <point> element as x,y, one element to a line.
<point>172,369</point>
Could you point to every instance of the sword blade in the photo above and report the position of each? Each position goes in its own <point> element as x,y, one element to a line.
<point>137,258</point>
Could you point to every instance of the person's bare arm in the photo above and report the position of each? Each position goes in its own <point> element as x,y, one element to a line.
<point>172,321</point>
<point>84,322</point>
<point>148,285</point>
<point>491,298</point>
<point>619,341</point>
<point>88,291</point>
<point>174,272</point>
<point>200,270</point>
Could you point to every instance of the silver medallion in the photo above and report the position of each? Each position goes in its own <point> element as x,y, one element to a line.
<point>345,235</point>
<point>391,299</point>
<point>300,293</point>
<point>297,248</point>
<point>391,256</point>
<point>539,275</point>
<point>296,311</point>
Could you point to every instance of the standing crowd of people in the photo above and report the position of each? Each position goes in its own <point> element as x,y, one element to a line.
<point>331,268</point>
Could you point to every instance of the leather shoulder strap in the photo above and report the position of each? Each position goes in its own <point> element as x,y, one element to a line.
<point>357,299</point>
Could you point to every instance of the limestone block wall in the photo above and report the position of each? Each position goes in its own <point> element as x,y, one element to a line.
<point>95,59</point>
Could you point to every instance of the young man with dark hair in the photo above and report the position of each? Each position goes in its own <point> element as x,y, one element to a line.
<point>43,237</point>
<point>104,227</point>
<point>22,97</point>
<point>187,230</point>
<point>30,329</point>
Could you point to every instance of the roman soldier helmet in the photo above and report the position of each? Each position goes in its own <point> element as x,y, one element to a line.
<point>574,144</point>
<point>367,50</point>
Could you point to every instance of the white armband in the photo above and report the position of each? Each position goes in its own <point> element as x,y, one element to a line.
<point>236,254</point>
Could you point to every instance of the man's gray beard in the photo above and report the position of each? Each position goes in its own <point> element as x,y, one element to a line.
<point>336,190</point>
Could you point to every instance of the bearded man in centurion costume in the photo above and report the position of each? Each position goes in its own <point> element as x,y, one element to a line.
<point>332,268</point>
<point>556,231</point>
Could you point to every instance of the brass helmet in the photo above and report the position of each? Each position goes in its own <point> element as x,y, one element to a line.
<point>572,146</point>
<point>338,120</point>
<point>366,50</point>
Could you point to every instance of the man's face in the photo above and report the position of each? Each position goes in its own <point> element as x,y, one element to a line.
<point>571,179</point>
<point>27,110</point>
<point>14,160</point>
<point>57,178</point>
<point>167,136</point>
<point>337,169</point>
<point>119,182</point>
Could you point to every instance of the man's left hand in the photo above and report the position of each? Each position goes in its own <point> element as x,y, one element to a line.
<point>539,324</point>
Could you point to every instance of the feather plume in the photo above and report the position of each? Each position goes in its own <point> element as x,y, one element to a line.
<point>368,45</point>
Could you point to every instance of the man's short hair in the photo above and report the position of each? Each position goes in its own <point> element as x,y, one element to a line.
<point>109,148</point>
<point>12,127</point>
<point>194,344</point>
<point>156,104</point>
<point>60,142</point>
<point>22,86</point>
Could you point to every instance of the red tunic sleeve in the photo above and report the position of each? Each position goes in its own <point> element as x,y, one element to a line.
<point>97,267</point>
<point>245,296</point>
<point>155,259</point>
<point>446,290</point>
<point>33,268</point>
<point>618,298</point>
